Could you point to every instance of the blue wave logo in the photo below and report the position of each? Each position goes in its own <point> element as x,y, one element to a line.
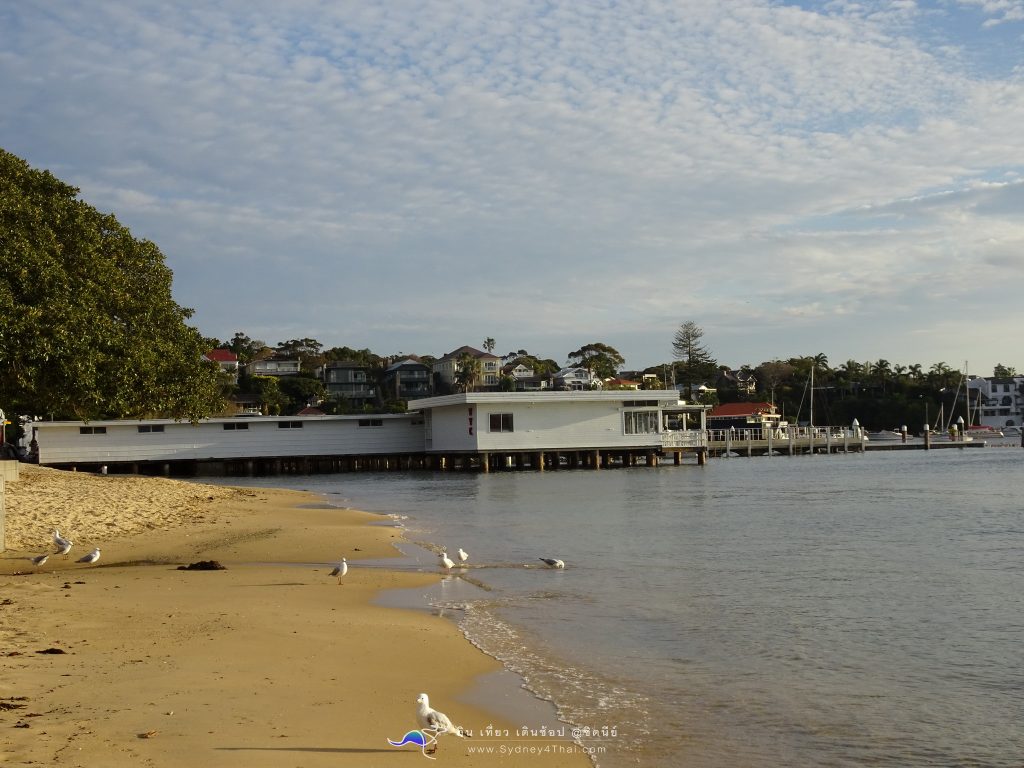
<point>420,739</point>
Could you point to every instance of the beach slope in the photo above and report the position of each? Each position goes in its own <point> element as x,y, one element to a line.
<point>269,662</point>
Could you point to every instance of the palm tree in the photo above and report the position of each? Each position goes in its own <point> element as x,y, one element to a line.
<point>468,371</point>
<point>914,371</point>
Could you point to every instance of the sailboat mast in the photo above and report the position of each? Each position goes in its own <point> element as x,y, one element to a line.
<point>812,398</point>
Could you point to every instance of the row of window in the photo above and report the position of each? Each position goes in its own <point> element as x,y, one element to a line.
<point>228,426</point>
<point>634,423</point>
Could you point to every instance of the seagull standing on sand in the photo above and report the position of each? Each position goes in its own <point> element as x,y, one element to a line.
<point>92,557</point>
<point>437,722</point>
<point>39,560</point>
<point>340,569</point>
<point>63,545</point>
<point>463,556</point>
<point>446,562</point>
<point>552,563</point>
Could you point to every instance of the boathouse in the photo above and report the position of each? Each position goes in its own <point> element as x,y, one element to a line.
<point>552,429</point>
<point>235,445</point>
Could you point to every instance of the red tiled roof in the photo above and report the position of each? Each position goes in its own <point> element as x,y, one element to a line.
<point>222,356</point>
<point>741,409</point>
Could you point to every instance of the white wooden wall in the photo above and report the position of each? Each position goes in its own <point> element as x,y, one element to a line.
<point>62,443</point>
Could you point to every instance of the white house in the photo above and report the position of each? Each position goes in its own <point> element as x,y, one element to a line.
<point>1001,401</point>
<point>481,422</point>
<point>576,379</point>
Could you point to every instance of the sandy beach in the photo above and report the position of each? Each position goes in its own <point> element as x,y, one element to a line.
<point>270,662</point>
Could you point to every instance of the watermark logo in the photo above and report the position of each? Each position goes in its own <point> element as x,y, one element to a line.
<point>426,740</point>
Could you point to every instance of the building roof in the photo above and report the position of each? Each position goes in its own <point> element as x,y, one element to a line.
<point>471,351</point>
<point>221,356</point>
<point>740,409</point>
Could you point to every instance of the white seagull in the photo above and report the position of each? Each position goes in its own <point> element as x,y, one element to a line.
<point>340,569</point>
<point>39,560</point>
<point>92,557</point>
<point>63,545</point>
<point>436,722</point>
<point>446,562</point>
<point>552,563</point>
<point>463,556</point>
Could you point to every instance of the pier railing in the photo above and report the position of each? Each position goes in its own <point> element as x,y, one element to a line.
<point>787,439</point>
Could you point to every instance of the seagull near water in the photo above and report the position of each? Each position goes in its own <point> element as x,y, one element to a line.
<point>39,559</point>
<point>463,556</point>
<point>63,545</point>
<point>552,563</point>
<point>340,569</point>
<point>446,562</point>
<point>92,557</point>
<point>436,722</point>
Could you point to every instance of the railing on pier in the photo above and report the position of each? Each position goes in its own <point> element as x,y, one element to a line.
<point>786,439</point>
<point>675,439</point>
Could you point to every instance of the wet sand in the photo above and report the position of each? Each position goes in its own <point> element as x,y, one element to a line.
<point>270,662</point>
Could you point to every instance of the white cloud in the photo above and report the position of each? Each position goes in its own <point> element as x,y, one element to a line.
<point>390,175</point>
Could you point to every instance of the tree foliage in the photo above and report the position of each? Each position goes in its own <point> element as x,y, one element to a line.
<point>600,359</point>
<point>90,329</point>
<point>696,363</point>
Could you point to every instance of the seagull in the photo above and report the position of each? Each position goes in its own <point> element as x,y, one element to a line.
<point>92,557</point>
<point>463,557</point>
<point>437,722</point>
<point>552,563</point>
<point>63,545</point>
<point>340,569</point>
<point>446,562</point>
<point>39,560</point>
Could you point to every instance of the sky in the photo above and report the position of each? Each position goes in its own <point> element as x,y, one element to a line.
<point>410,176</point>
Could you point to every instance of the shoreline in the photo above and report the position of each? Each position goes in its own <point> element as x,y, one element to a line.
<point>266,660</point>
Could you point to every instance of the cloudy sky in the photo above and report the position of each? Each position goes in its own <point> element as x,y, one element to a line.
<point>411,176</point>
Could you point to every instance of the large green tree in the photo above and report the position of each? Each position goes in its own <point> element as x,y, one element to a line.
<point>600,359</point>
<point>696,364</point>
<point>89,327</point>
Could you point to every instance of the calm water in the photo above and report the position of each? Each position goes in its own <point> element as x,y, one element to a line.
<point>808,611</point>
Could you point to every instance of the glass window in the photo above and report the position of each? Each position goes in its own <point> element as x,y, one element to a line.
<point>289,425</point>
<point>92,430</point>
<point>235,425</point>
<point>151,428</point>
<point>501,422</point>
<point>371,422</point>
<point>640,422</point>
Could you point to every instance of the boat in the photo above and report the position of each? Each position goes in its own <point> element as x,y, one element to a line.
<point>1011,431</point>
<point>984,432</point>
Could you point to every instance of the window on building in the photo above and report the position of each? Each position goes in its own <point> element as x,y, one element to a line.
<point>143,429</point>
<point>639,403</point>
<point>640,422</point>
<point>232,425</point>
<point>92,430</point>
<point>371,422</point>
<point>289,425</point>
<point>501,422</point>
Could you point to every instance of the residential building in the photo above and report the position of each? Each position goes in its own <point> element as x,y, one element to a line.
<point>275,365</point>
<point>744,416</point>
<point>1000,401</point>
<point>407,379</point>
<point>576,379</point>
<point>447,368</point>
<point>349,380</point>
<point>226,360</point>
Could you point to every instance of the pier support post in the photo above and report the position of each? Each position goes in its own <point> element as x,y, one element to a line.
<point>597,459</point>
<point>538,461</point>
<point>702,457</point>
<point>677,457</point>
<point>927,438</point>
<point>485,462</point>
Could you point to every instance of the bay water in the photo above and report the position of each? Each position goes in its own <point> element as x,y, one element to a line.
<point>846,610</point>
